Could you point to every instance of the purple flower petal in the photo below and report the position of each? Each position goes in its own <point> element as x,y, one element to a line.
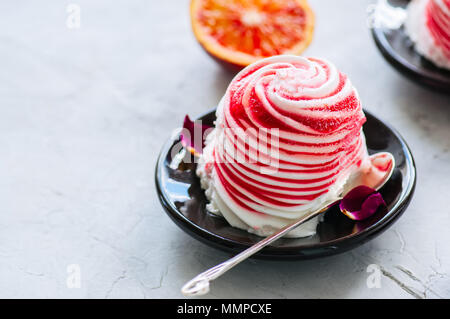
<point>193,135</point>
<point>371,205</point>
<point>361,203</point>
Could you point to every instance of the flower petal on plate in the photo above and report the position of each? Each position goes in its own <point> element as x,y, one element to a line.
<point>361,203</point>
<point>193,135</point>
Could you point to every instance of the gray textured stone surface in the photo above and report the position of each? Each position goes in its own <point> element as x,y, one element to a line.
<point>84,112</point>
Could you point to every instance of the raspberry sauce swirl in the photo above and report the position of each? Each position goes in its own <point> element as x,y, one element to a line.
<point>288,136</point>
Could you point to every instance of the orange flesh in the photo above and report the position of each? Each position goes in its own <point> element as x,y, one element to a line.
<point>259,28</point>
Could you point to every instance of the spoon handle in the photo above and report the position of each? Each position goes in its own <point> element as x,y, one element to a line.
<point>199,285</point>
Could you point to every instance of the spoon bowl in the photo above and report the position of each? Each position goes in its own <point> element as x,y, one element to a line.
<point>376,176</point>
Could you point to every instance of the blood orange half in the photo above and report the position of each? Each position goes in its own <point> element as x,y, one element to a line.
<point>240,32</point>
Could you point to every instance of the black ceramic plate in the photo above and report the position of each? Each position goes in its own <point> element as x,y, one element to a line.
<point>399,51</point>
<point>184,201</point>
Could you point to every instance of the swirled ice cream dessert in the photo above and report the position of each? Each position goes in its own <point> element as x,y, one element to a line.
<point>428,26</point>
<point>288,136</point>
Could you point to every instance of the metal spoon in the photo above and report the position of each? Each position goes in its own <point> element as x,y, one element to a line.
<point>382,167</point>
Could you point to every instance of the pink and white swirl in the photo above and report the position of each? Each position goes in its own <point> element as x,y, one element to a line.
<point>288,136</point>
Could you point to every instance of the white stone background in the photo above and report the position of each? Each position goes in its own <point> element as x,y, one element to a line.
<point>84,113</point>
